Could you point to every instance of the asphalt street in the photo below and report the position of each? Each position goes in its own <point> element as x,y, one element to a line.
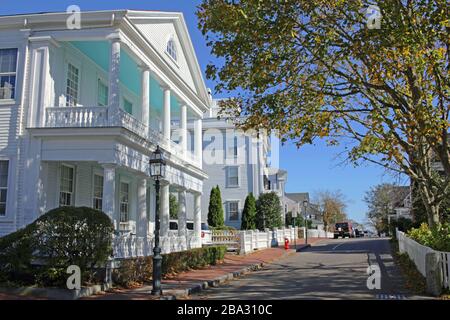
<point>331,269</point>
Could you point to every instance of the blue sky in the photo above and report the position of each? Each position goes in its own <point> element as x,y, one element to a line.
<point>310,169</point>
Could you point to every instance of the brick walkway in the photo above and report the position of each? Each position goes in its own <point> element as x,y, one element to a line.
<point>178,284</point>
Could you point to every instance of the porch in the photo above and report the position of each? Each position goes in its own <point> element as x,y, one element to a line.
<point>128,197</point>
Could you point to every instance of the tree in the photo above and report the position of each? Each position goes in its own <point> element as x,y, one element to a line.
<point>249,213</point>
<point>174,207</point>
<point>215,209</point>
<point>318,70</point>
<point>268,211</point>
<point>380,203</point>
<point>332,205</point>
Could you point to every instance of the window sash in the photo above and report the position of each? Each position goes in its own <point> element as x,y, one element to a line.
<point>233,211</point>
<point>8,71</point>
<point>4,165</point>
<point>233,176</point>
<point>66,186</point>
<point>124,202</point>
<point>72,83</point>
<point>171,49</point>
<point>98,192</point>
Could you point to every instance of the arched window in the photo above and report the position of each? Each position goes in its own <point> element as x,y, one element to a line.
<point>172,49</point>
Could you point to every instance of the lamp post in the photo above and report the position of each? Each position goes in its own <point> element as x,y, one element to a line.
<point>157,172</point>
<point>305,205</point>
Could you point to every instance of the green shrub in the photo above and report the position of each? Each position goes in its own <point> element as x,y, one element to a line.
<point>249,213</point>
<point>139,270</point>
<point>268,211</point>
<point>215,209</point>
<point>41,252</point>
<point>437,238</point>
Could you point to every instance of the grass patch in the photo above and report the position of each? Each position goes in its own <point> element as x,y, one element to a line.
<point>414,279</point>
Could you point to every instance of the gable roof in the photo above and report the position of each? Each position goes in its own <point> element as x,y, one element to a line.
<point>114,18</point>
<point>298,197</point>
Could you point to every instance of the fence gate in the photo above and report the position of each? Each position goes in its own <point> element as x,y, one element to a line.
<point>229,238</point>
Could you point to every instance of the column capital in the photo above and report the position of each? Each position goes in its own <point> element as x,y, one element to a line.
<point>144,67</point>
<point>108,165</point>
<point>114,37</point>
<point>165,86</point>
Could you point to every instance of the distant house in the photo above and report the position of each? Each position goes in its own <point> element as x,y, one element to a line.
<point>295,204</point>
<point>402,202</point>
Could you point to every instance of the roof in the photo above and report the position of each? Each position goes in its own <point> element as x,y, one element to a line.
<point>111,18</point>
<point>298,197</point>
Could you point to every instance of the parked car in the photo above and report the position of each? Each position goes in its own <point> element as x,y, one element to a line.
<point>343,229</point>
<point>359,233</point>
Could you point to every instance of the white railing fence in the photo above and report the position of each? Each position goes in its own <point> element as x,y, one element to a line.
<point>131,246</point>
<point>418,253</point>
<point>251,240</point>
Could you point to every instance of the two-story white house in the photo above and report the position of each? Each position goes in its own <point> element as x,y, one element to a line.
<point>82,110</point>
<point>238,162</point>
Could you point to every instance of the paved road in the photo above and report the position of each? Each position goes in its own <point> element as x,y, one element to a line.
<point>331,269</point>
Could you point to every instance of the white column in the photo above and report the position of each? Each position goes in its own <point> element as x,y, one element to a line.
<point>166,113</point>
<point>145,97</point>
<point>183,128</point>
<point>182,213</point>
<point>164,210</point>
<point>198,141</point>
<point>114,75</point>
<point>198,217</point>
<point>109,191</point>
<point>142,219</point>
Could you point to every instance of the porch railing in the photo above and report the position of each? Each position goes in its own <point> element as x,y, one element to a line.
<point>91,117</point>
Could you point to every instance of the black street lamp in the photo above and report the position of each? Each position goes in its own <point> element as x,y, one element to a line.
<point>157,172</point>
<point>305,205</point>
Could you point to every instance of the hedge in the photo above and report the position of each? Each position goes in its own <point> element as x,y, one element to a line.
<point>139,270</point>
<point>40,253</point>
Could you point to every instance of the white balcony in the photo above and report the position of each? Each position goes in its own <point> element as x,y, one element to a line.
<point>93,117</point>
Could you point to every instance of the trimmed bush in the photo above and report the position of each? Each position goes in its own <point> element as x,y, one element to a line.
<point>249,213</point>
<point>139,270</point>
<point>268,211</point>
<point>436,238</point>
<point>41,252</point>
<point>215,209</point>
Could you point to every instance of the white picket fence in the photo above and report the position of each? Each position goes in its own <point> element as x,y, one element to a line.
<point>417,253</point>
<point>251,240</point>
<point>130,246</point>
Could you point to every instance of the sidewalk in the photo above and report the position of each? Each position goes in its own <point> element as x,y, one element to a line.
<point>186,283</point>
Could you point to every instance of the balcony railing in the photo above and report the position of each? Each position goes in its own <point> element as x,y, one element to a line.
<point>91,117</point>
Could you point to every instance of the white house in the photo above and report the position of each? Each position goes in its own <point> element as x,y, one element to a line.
<point>238,162</point>
<point>82,110</point>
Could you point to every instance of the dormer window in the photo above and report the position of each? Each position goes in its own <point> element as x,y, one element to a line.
<point>171,49</point>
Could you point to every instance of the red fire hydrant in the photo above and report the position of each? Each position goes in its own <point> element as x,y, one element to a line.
<point>286,243</point>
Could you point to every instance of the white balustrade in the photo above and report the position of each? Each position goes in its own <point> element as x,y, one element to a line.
<point>90,117</point>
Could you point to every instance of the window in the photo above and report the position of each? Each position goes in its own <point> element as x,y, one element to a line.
<point>172,49</point>
<point>66,187</point>
<point>98,192</point>
<point>233,148</point>
<point>3,186</point>
<point>124,202</point>
<point>233,211</point>
<point>8,65</point>
<point>233,177</point>
<point>127,106</point>
<point>102,94</point>
<point>73,77</point>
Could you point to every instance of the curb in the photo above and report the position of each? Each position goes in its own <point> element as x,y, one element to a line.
<point>56,293</point>
<point>196,288</point>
